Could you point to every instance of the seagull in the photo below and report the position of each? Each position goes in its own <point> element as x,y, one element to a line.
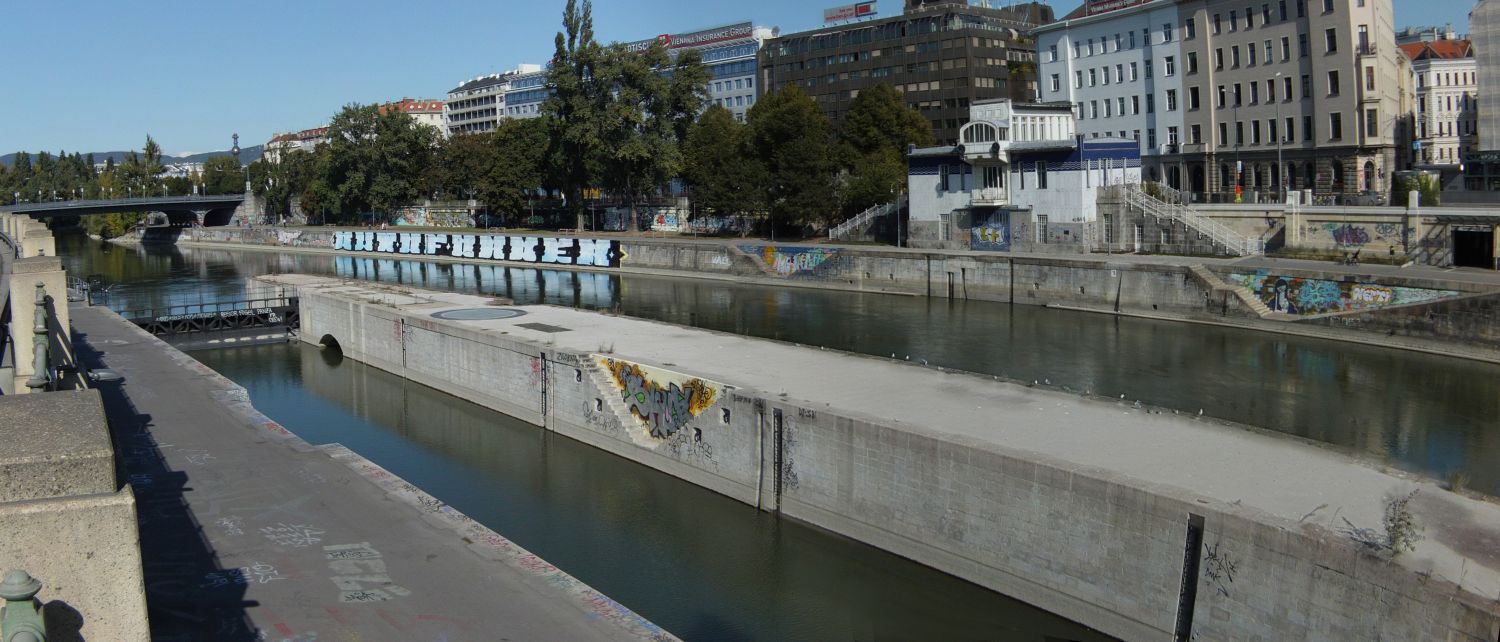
<point>1200,412</point>
<point>1122,395</point>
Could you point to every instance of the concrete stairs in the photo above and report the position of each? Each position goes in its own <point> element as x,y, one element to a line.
<point>1246,298</point>
<point>609,393</point>
<point>751,263</point>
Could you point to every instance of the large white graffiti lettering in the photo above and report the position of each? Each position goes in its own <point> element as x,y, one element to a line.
<point>521,249</point>
<point>661,401</point>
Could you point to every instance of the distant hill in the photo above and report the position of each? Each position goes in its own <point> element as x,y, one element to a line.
<point>247,155</point>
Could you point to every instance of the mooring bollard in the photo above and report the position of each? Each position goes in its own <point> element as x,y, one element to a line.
<point>23,621</point>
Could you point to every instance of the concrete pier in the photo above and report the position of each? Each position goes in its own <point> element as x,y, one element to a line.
<point>247,532</point>
<point>1139,523</point>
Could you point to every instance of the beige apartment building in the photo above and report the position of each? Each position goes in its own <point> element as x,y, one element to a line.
<point>1324,78</point>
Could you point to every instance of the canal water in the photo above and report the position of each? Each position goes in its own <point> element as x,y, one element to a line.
<point>700,565</point>
<point>645,539</point>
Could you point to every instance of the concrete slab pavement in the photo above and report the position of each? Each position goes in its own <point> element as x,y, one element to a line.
<point>249,533</point>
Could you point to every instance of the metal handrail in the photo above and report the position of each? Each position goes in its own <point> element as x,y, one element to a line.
<point>1232,241</point>
<point>874,212</point>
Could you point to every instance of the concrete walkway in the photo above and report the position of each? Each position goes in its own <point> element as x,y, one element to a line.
<point>250,533</point>
<point>1269,476</point>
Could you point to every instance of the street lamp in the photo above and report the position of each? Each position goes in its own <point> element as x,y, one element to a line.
<point>1280,134</point>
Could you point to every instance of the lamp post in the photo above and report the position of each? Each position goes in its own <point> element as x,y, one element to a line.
<point>1280,167</point>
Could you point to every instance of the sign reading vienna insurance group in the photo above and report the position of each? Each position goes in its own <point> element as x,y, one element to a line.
<point>1097,7</point>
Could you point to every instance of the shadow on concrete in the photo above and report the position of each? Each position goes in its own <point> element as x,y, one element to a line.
<point>189,595</point>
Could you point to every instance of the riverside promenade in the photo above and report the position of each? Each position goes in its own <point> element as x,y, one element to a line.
<point>1077,504</point>
<point>249,533</point>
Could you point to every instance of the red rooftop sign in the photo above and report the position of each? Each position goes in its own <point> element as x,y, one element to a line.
<point>849,12</point>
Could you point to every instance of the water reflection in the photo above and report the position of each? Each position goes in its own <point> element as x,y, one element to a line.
<point>699,564</point>
<point>1426,413</point>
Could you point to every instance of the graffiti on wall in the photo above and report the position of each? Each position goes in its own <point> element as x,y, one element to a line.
<point>522,249</point>
<point>433,216</point>
<point>1349,236</point>
<point>992,234</point>
<point>1293,295</point>
<point>792,261</point>
<point>661,401</point>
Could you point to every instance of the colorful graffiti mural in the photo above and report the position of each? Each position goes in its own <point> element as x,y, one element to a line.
<point>792,261</point>
<point>1350,236</point>
<point>522,249</point>
<point>661,401</point>
<point>1293,295</point>
<point>434,216</point>
<point>992,234</point>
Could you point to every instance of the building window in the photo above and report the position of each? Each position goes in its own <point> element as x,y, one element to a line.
<point>1286,49</point>
<point>1133,75</point>
<point>1117,42</point>
<point>1254,93</point>
<point>1333,82</point>
<point>1148,67</point>
<point>1301,8</point>
<point>1195,135</point>
<point>1307,127</point>
<point>1250,54</point>
<point>1271,90</point>
<point>1363,40</point>
<point>1171,100</point>
<point>1166,32</point>
<point>1306,86</point>
<point>1219,58</point>
<point>1052,53</point>
<point>1223,96</point>
<point>1237,95</point>
<point>1132,40</point>
<point>1239,133</point>
<point>1121,102</point>
<point>1151,139</point>
<point>1119,73</point>
<point>1150,103</point>
<point>1335,126</point>
<point>1254,132</point>
<point>1369,79</point>
<point>1218,28</point>
<point>1093,77</point>
<point>1302,49</point>
<point>1291,133</point>
<point>1282,10</point>
<point>1234,20</point>
<point>1223,134</point>
<point>1269,57</point>
<point>1170,65</point>
<point>1192,62</point>
<point>1327,6</point>
<point>1189,29</point>
<point>1271,130</point>
<point>1172,136</point>
<point>1078,79</point>
<point>1041,174</point>
<point>1135,104</point>
<point>1331,39</point>
<point>1056,86</point>
<point>1193,98</point>
<point>1372,125</point>
<point>1234,56</point>
<point>1286,88</point>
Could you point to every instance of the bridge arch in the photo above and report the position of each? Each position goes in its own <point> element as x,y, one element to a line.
<point>330,350</point>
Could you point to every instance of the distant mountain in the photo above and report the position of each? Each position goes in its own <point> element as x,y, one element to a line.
<point>247,156</point>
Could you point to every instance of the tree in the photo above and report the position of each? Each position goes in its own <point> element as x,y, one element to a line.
<point>791,137</point>
<point>638,149</point>
<point>875,134</point>
<point>462,163</point>
<point>719,169</point>
<point>223,175</point>
<point>572,109</point>
<point>517,167</point>
<point>375,160</point>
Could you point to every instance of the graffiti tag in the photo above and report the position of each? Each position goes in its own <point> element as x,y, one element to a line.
<point>664,409</point>
<point>792,261</point>
<point>521,249</point>
<point>1348,235</point>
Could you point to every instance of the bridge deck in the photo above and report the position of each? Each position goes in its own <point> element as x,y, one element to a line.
<point>246,530</point>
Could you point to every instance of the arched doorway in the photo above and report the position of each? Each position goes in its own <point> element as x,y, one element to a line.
<point>1310,176</point>
<point>1199,184</point>
<point>1224,175</point>
<point>1369,176</point>
<point>1258,178</point>
<point>1174,177</point>
<point>1336,174</point>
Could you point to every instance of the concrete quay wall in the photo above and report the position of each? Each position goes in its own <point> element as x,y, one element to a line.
<point>1105,549</point>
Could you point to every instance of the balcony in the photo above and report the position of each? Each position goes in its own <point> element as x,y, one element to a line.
<point>989,196</point>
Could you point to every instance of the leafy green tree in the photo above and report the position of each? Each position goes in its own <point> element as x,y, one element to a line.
<point>875,134</point>
<point>517,166</point>
<point>573,107</point>
<point>638,150</point>
<point>462,163</point>
<point>223,175</point>
<point>719,169</point>
<point>792,138</point>
<point>375,161</point>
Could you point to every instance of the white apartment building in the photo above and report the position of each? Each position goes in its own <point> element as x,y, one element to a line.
<point>476,105</point>
<point>425,111</point>
<point>305,140</point>
<point>1446,120</point>
<point>1122,70</point>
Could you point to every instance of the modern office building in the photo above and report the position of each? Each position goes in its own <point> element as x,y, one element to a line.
<point>1122,71</point>
<point>729,52</point>
<point>1446,122</point>
<point>1482,168</point>
<point>476,105</point>
<point>525,93</point>
<point>943,55</point>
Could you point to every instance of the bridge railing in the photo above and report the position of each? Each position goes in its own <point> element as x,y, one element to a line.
<point>205,309</point>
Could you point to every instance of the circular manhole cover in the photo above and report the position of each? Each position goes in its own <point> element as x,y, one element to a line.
<point>478,314</point>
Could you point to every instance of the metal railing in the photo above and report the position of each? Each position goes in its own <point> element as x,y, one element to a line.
<point>1164,202</point>
<point>860,219</point>
<point>168,312</point>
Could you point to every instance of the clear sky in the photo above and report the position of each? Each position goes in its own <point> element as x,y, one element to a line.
<point>91,75</point>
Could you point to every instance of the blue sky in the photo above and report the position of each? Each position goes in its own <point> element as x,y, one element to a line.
<point>96,76</point>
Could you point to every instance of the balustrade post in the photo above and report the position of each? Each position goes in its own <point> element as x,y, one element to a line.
<point>23,621</point>
<point>39,379</point>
